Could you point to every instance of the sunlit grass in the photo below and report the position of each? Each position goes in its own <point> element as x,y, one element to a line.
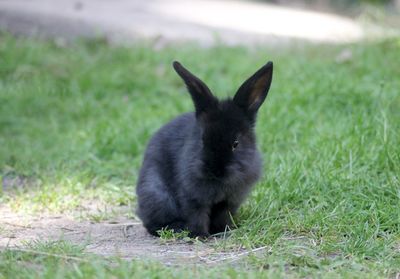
<point>74,123</point>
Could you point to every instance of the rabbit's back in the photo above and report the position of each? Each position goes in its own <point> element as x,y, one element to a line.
<point>158,179</point>
<point>168,141</point>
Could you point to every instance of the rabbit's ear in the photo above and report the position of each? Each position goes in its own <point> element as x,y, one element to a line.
<point>201,94</point>
<point>253,91</point>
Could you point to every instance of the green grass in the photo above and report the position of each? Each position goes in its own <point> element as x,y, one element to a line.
<point>59,259</point>
<point>74,123</point>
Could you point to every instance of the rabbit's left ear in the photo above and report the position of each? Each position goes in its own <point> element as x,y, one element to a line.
<point>253,91</point>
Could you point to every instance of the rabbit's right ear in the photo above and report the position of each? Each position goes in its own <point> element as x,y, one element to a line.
<point>201,95</point>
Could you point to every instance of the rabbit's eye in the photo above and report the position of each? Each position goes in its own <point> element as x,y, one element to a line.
<point>234,145</point>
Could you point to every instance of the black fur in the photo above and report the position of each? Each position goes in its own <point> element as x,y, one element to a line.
<point>199,168</point>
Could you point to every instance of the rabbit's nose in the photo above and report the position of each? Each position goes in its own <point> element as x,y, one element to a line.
<point>219,173</point>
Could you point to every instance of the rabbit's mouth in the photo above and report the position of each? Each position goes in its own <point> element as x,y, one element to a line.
<point>216,164</point>
<point>215,172</point>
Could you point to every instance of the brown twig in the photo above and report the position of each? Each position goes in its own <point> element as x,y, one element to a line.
<point>17,225</point>
<point>234,257</point>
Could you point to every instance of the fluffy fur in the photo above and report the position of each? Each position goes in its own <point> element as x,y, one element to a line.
<point>199,168</point>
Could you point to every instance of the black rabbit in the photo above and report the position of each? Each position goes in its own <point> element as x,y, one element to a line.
<point>199,168</point>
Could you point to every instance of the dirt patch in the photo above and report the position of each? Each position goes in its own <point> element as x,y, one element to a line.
<point>120,236</point>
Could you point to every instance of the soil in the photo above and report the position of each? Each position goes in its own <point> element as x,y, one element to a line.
<point>120,236</point>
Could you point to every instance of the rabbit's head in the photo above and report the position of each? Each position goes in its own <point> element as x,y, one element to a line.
<point>227,126</point>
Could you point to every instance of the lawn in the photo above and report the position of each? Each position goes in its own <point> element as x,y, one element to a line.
<point>75,119</point>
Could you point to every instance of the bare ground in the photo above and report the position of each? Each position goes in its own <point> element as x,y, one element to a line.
<point>207,22</point>
<point>118,236</point>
